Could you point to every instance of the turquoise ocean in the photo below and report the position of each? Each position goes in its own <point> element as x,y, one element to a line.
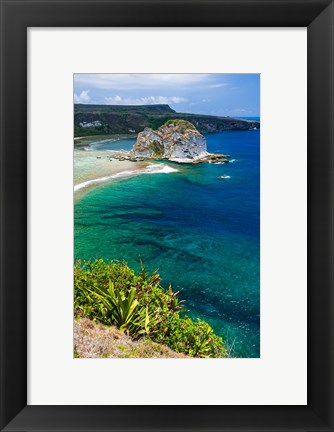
<point>200,231</point>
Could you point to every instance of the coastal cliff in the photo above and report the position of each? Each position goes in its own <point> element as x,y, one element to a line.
<point>177,141</point>
<point>131,119</point>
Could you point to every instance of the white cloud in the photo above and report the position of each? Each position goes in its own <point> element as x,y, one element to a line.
<point>137,81</point>
<point>116,99</point>
<point>82,98</point>
<point>149,100</point>
<point>218,85</point>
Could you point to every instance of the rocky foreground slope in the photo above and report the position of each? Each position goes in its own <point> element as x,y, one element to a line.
<point>93,340</point>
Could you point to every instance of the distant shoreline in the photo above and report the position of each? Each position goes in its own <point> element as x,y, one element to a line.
<point>91,119</point>
<point>89,139</point>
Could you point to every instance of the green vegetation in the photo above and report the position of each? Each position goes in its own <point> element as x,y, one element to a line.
<point>183,125</point>
<point>155,123</point>
<point>80,131</point>
<point>157,148</point>
<point>118,119</point>
<point>112,294</point>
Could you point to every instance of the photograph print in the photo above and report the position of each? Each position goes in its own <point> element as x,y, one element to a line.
<point>166,215</point>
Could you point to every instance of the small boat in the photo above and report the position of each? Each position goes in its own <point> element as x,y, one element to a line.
<point>224,176</point>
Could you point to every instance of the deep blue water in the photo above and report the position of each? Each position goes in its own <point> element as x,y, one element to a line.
<point>202,233</point>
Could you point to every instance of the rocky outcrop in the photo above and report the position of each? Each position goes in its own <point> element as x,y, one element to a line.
<point>177,140</point>
<point>149,144</point>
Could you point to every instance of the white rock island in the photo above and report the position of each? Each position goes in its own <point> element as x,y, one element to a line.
<point>178,141</point>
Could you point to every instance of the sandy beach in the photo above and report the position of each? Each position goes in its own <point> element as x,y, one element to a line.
<point>92,168</point>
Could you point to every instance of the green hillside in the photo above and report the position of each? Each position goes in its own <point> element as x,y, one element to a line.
<point>128,119</point>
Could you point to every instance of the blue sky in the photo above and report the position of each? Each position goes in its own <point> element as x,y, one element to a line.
<point>235,95</point>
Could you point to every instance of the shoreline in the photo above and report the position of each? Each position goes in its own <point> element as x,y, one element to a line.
<point>150,169</point>
<point>94,168</point>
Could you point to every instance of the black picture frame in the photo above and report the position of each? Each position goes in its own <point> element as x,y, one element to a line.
<point>16,17</point>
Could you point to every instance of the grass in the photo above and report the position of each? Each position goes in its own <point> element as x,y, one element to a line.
<point>93,340</point>
<point>183,125</point>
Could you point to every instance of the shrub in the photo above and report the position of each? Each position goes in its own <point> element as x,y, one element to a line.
<point>157,148</point>
<point>183,125</point>
<point>112,294</point>
<point>155,123</point>
<point>194,338</point>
